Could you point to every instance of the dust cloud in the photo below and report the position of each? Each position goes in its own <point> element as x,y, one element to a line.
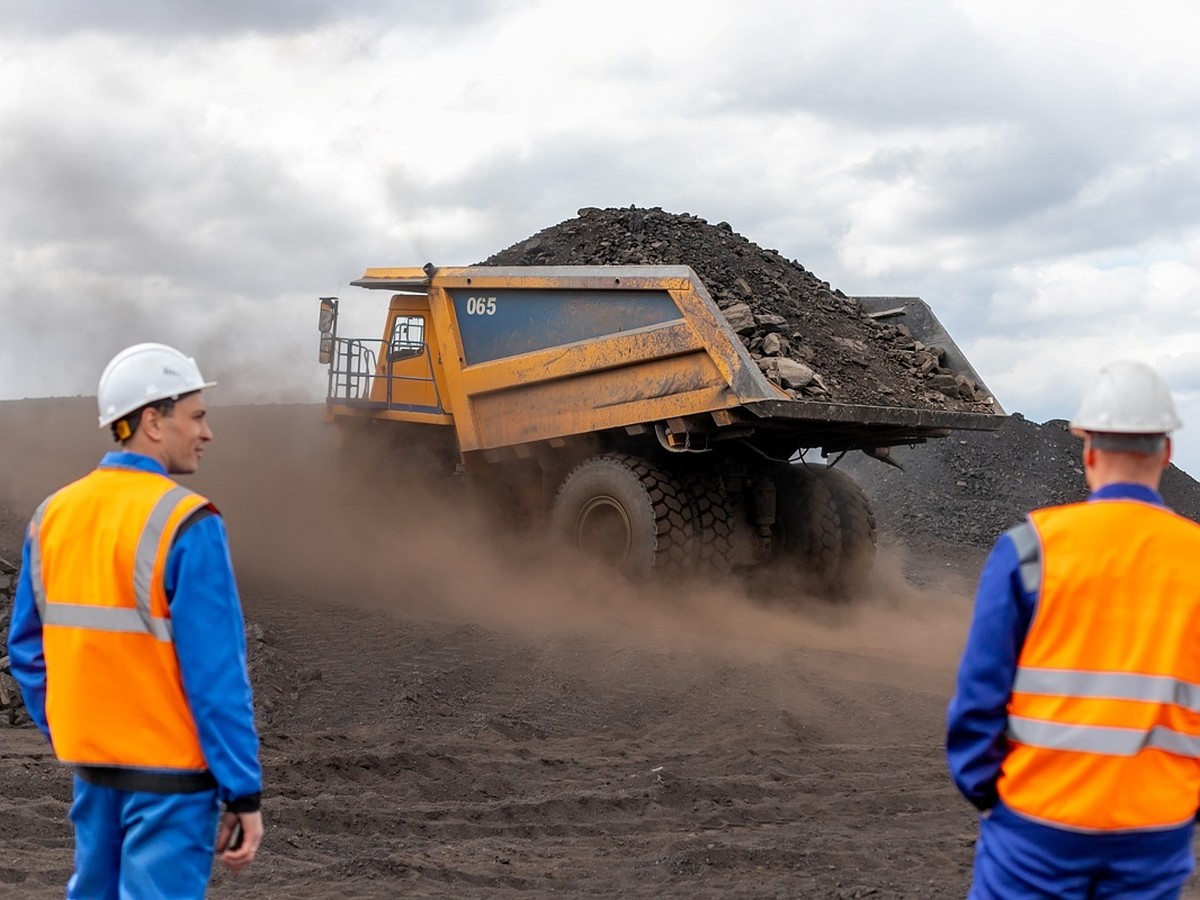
<point>306,527</point>
<point>316,528</point>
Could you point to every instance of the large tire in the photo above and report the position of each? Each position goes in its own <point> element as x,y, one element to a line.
<point>809,524</point>
<point>713,522</point>
<point>628,512</point>
<point>858,527</point>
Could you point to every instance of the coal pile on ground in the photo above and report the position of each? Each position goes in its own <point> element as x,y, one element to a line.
<point>811,339</point>
<point>972,486</point>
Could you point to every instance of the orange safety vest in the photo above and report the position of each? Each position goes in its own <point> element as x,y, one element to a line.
<point>98,554</point>
<point>1104,718</point>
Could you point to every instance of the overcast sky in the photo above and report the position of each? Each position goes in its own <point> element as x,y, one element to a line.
<point>199,173</point>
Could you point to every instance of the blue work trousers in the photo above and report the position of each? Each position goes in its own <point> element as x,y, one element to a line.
<point>131,845</point>
<point>1019,859</point>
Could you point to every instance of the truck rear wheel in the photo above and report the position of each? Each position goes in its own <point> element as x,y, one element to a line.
<point>628,512</point>
<point>713,522</point>
<point>858,526</point>
<point>810,524</point>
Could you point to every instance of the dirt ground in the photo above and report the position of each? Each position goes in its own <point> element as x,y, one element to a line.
<point>448,710</point>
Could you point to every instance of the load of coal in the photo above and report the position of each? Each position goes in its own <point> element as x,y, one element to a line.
<point>812,340</point>
<point>970,487</point>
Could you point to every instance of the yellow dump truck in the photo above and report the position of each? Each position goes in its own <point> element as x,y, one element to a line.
<point>617,404</point>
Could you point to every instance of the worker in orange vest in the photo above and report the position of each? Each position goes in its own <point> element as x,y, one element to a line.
<point>128,644</point>
<point>1075,723</point>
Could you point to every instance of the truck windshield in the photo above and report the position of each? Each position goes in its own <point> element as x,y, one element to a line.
<point>408,338</point>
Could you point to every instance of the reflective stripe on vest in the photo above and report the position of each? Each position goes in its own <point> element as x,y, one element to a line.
<point>1111,685</point>
<point>1110,741</point>
<point>1105,740</point>
<point>1107,688</point>
<point>103,618</point>
<point>1029,556</point>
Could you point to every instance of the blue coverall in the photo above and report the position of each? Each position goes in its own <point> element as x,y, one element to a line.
<point>1017,857</point>
<point>135,844</point>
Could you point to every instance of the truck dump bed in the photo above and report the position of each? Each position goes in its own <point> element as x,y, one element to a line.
<point>540,354</point>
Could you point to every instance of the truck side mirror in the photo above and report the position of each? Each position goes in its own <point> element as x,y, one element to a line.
<point>327,324</point>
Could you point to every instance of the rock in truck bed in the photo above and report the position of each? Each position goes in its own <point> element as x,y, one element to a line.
<point>792,322</point>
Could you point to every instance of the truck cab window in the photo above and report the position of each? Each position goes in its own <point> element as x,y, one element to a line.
<point>408,338</point>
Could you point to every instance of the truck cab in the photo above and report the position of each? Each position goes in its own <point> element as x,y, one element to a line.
<point>399,375</point>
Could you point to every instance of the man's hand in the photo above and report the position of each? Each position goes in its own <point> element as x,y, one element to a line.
<point>238,837</point>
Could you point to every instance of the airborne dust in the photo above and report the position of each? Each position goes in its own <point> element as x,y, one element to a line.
<point>399,540</point>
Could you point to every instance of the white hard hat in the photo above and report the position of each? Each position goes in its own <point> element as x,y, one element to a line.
<point>142,374</point>
<point>1127,397</point>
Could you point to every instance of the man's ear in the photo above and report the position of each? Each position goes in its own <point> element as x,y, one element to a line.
<point>151,423</point>
<point>1167,453</point>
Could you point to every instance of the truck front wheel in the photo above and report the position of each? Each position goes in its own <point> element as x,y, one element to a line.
<point>628,512</point>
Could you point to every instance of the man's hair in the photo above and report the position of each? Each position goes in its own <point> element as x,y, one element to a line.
<point>1142,444</point>
<point>125,427</point>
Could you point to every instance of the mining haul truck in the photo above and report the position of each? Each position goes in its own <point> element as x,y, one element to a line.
<point>617,405</point>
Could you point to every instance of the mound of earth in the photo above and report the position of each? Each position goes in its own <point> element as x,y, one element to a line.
<point>813,340</point>
<point>972,486</point>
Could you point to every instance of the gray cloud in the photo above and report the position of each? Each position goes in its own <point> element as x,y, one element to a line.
<point>171,19</point>
<point>889,155</point>
<point>163,205</point>
<point>517,193</point>
<point>1047,201</point>
<point>993,144</point>
<point>118,237</point>
<point>894,69</point>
